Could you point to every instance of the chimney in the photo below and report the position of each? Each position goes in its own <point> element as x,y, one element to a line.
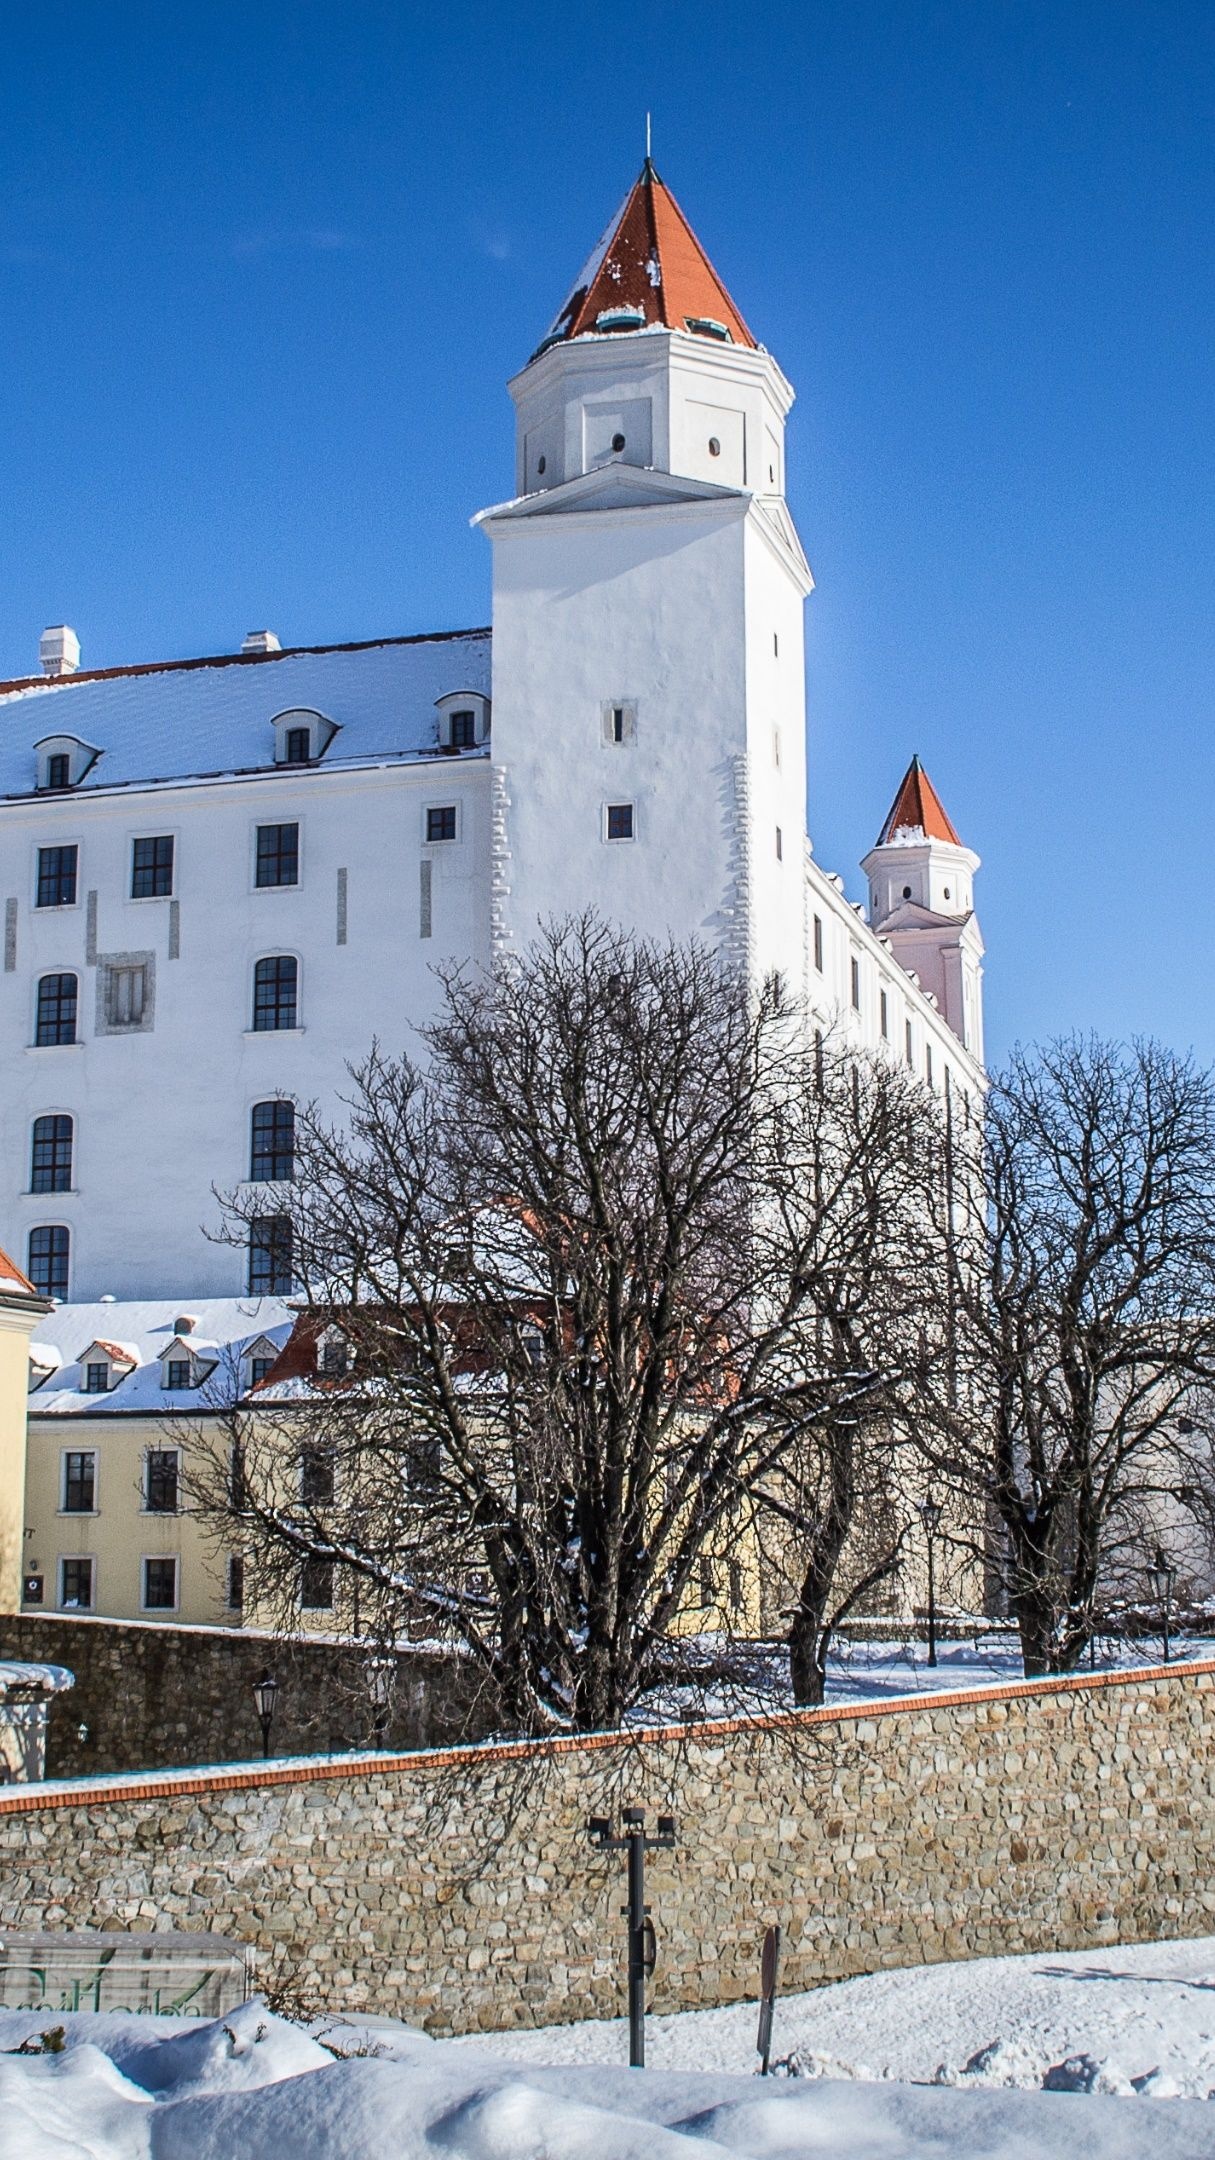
<point>260,641</point>
<point>59,650</point>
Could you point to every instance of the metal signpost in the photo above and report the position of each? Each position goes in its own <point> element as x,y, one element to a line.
<point>643,1946</point>
<point>769,1966</point>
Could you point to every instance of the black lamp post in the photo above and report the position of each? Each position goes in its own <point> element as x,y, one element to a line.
<point>930,1516</point>
<point>643,1947</point>
<point>265,1695</point>
<point>1164,1575</point>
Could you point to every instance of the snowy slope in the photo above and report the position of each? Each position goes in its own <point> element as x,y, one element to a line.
<point>252,2087</point>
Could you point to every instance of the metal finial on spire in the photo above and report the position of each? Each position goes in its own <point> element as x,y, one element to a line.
<point>647,138</point>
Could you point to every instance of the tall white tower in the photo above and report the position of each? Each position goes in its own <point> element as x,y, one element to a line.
<point>921,903</point>
<point>649,716</point>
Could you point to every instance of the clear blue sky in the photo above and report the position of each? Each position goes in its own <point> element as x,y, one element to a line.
<point>264,272</point>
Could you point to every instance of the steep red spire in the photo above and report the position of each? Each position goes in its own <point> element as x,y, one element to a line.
<point>917,805</point>
<point>650,264</point>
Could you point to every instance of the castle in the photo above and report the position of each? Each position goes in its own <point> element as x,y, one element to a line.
<point>221,877</point>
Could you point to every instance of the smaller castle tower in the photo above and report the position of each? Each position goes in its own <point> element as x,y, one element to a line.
<point>921,903</point>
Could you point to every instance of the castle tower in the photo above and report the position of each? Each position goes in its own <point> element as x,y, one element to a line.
<point>649,722</point>
<point>921,903</point>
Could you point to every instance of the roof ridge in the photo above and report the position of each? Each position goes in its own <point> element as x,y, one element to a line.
<point>236,659</point>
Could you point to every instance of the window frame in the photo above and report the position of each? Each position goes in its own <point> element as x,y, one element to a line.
<point>156,867</point>
<point>278,1027</point>
<point>270,1149</point>
<point>314,1562</point>
<point>159,1560</point>
<point>173,1367</point>
<point>32,1268</point>
<point>56,1040</point>
<point>615,810</point>
<point>433,811</point>
<point>75,1560</point>
<point>54,1173</point>
<point>90,1384</point>
<point>278,884</point>
<point>277,1283</point>
<point>148,1477</point>
<point>56,848</point>
<point>68,1455</point>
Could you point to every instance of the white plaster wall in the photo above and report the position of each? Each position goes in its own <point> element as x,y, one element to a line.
<point>163,1114</point>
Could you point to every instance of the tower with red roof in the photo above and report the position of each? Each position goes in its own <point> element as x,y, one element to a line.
<point>921,903</point>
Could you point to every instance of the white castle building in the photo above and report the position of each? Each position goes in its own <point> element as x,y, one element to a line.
<point>221,877</point>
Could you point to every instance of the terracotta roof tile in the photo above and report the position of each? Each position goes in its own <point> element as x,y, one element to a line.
<point>13,1280</point>
<point>917,805</point>
<point>651,261</point>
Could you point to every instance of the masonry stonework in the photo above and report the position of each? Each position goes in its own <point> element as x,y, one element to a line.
<point>460,1890</point>
<point>149,1697</point>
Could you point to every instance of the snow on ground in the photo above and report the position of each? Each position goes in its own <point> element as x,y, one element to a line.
<point>1140,2018</point>
<point>253,2087</point>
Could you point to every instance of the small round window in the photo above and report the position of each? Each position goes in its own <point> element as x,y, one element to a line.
<point>906,892</point>
<point>617,442</point>
<point>714,446</point>
<point>947,892</point>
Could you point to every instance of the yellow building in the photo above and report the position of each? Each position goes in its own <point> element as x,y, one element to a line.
<point>21,1310</point>
<point>116,1392</point>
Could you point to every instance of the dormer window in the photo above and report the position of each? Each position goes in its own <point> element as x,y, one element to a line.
<point>333,1358</point>
<point>104,1365</point>
<point>301,736</point>
<point>185,1364</point>
<point>63,761</point>
<point>463,720</point>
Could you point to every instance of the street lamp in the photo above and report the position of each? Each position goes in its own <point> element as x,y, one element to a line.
<point>265,1695</point>
<point>930,1516</point>
<point>643,1947</point>
<point>1164,1575</point>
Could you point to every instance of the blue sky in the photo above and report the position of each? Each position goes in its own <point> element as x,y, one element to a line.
<point>264,272</point>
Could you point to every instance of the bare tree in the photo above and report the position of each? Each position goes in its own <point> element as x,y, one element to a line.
<point>1086,1327</point>
<point>578,1261</point>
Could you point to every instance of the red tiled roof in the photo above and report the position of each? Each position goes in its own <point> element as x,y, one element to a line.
<point>235,659</point>
<point>652,261</point>
<point>918,804</point>
<point>14,1280</point>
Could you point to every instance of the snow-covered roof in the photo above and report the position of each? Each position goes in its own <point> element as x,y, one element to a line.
<point>180,719</point>
<point>229,1328</point>
<point>19,1678</point>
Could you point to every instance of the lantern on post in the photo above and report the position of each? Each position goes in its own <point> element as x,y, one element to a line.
<point>643,1944</point>
<point>265,1696</point>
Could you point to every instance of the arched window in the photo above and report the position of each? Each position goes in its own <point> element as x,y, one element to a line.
<point>56,1018</point>
<point>276,992</point>
<point>272,1144</point>
<point>51,1155</point>
<point>47,1260</point>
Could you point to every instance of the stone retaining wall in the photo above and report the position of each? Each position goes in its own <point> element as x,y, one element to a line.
<point>151,1696</point>
<point>460,1889</point>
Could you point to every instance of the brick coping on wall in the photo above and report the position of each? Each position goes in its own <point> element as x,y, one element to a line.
<point>312,1769</point>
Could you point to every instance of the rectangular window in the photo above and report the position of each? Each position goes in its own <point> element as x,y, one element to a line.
<point>278,855</point>
<point>51,1154</point>
<point>463,731</point>
<point>96,1379</point>
<point>258,1369</point>
<point>856,984</point>
<point>884,1011</point>
<point>57,876</point>
<point>316,1585</point>
<point>236,1582</point>
<point>617,723</point>
<point>79,1481</point>
<point>441,823</point>
<point>818,943</point>
<point>928,1063</point>
<point>58,770</point>
<point>56,1016</point>
<point>270,1256</point>
<point>126,991</point>
<point>317,1476</point>
<point>152,868</point>
<point>177,1373</point>
<point>272,1142</point>
<point>297,747</point>
<point>160,1481</point>
<point>160,1586</point>
<point>76,1585</point>
<point>908,1047</point>
<point>780,845</point>
<point>238,1496</point>
<point>708,1584</point>
<point>276,992</point>
<point>736,1584</point>
<point>47,1260</point>
<point>620,821</point>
